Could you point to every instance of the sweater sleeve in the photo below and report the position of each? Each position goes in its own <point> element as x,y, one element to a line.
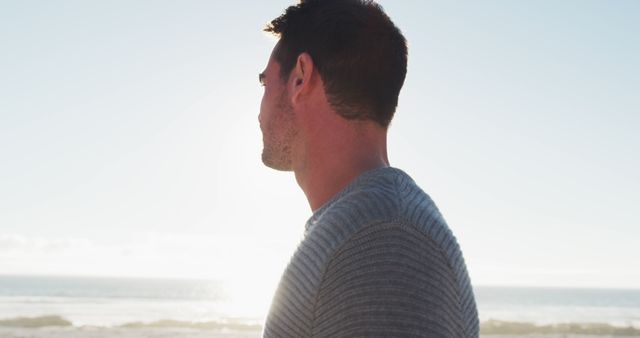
<point>388,280</point>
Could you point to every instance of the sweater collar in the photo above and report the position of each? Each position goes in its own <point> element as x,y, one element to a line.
<point>356,183</point>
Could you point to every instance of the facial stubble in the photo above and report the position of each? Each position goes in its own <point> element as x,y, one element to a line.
<point>280,136</point>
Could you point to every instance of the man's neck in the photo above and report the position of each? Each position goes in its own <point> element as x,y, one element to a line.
<point>322,177</point>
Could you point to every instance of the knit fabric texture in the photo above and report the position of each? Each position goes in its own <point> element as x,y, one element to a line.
<point>377,260</point>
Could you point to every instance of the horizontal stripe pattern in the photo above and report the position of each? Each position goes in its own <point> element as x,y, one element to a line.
<point>378,260</point>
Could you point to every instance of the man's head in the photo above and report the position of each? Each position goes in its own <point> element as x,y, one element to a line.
<point>359,53</point>
<point>344,55</point>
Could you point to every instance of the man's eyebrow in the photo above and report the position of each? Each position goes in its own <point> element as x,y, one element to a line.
<point>261,77</point>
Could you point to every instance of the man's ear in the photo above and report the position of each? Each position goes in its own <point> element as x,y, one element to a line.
<point>300,80</point>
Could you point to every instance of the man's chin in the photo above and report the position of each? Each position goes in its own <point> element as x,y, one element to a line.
<point>275,164</point>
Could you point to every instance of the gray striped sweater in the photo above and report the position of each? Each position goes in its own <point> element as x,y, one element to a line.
<point>378,260</point>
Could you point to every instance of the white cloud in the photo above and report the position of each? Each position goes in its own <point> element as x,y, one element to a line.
<point>13,244</point>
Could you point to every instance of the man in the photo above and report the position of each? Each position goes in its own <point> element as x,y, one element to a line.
<point>377,258</point>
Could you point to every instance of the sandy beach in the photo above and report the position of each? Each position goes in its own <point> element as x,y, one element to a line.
<point>99,332</point>
<point>59,327</point>
<point>184,333</point>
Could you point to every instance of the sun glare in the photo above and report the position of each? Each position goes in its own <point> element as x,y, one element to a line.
<point>249,295</point>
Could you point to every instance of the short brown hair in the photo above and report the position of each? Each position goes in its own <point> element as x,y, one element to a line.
<point>358,51</point>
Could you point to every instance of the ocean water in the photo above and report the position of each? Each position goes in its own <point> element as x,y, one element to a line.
<point>118,301</point>
<point>546,306</point>
<point>114,302</point>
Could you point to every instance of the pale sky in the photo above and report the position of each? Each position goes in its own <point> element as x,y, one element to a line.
<point>130,146</point>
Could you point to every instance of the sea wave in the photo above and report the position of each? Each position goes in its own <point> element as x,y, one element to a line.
<point>34,322</point>
<point>235,325</point>
<point>498,327</point>
<point>210,325</point>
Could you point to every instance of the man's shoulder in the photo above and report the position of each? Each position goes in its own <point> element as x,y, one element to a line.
<point>382,195</point>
